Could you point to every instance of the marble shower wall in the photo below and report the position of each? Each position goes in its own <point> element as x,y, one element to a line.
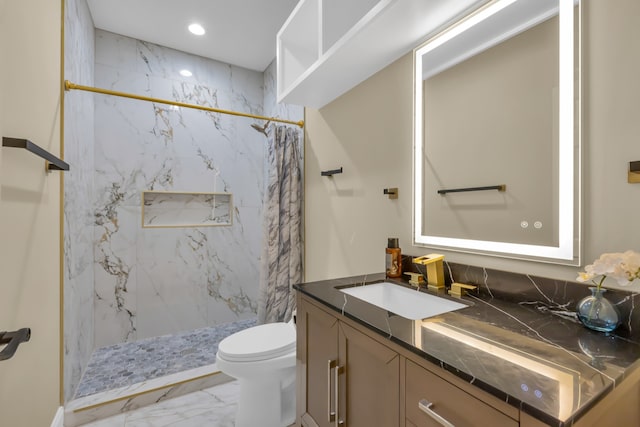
<point>271,106</point>
<point>78,194</point>
<point>155,281</point>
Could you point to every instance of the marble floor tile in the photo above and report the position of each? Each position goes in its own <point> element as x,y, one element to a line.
<point>114,421</point>
<point>214,407</point>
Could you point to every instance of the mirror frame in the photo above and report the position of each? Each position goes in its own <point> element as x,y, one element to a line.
<point>568,250</point>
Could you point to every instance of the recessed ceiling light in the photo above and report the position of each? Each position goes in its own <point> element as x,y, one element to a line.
<point>186,73</point>
<point>196,29</point>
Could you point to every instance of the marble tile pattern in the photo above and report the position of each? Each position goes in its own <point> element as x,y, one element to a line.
<point>130,398</point>
<point>78,194</point>
<point>125,364</point>
<point>558,297</point>
<point>517,317</point>
<point>271,107</point>
<point>214,406</point>
<point>186,209</point>
<point>151,282</point>
<point>122,284</point>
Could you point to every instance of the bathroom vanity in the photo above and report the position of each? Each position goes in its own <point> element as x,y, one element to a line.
<point>486,364</point>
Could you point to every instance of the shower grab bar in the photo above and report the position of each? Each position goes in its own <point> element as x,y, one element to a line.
<point>53,162</point>
<point>13,340</point>
<point>501,187</point>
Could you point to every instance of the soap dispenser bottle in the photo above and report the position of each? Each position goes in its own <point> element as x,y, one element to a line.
<point>393,263</point>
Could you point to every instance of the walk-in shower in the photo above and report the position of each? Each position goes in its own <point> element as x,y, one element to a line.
<point>179,286</point>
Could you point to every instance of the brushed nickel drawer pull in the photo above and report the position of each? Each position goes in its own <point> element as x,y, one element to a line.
<point>331,414</point>
<point>425,406</point>
<point>339,422</point>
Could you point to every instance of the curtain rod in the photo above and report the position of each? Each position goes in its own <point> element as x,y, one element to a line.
<point>69,85</point>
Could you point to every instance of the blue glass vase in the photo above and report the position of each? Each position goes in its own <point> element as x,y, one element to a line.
<point>597,313</point>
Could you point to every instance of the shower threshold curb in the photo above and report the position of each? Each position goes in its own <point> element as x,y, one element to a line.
<point>112,402</point>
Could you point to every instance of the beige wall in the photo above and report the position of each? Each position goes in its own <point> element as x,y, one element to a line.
<point>30,210</point>
<point>368,131</point>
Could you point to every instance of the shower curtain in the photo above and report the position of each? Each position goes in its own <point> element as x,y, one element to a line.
<point>281,262</point>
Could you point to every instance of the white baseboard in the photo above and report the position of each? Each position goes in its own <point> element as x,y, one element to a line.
<point>58,420</point>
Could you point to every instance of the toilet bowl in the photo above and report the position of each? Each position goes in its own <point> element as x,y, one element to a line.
<point>263,359</point>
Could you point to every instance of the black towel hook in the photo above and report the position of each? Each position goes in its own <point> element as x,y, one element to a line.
<point>331,172</point>
<point>13,340</point>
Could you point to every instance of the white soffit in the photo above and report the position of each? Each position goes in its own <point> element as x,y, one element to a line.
<point>238,32</point>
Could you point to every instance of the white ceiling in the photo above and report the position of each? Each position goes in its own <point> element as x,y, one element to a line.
<point>239,32</point>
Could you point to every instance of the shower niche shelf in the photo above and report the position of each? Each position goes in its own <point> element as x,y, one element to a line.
<point>163,209</point>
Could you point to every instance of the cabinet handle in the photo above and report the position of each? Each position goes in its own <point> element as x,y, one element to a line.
<point>331,414</point>
<point>425,406</point>
<point>339,422</point>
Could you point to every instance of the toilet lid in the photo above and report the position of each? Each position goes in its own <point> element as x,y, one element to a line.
<point>259,343</point>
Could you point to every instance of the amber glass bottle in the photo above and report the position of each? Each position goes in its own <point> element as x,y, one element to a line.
<point>393,263</point>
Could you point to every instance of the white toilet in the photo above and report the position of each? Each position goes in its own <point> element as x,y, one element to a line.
<point>263,359</point>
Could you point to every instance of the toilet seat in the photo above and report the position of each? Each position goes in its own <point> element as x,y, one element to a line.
<point>258,343</point>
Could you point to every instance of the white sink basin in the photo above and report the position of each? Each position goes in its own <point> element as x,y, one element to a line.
<point>402,301</point>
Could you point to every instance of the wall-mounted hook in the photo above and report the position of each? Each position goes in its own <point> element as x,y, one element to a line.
<point>391,192</point>
<point>12,341</point>
<point>331,172</point>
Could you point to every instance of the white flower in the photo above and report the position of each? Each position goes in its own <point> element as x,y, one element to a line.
<point>623,267</point>
<point>631,263</point>
<point>584,276</point>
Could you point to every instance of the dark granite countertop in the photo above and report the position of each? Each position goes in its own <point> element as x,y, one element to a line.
<point>546,364</point>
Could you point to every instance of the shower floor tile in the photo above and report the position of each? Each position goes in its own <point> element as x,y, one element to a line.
<point>130,363</point>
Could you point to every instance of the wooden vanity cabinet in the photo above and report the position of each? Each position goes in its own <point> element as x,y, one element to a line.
<point>370,382</point>
<point>348,377</point>
<point>428,397</point>
<point>345,378</point>
<point>317,348</point>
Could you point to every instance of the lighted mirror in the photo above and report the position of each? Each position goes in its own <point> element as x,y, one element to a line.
<point>497,141</point>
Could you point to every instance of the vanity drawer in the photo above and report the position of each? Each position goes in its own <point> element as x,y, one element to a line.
<point>454,405</point>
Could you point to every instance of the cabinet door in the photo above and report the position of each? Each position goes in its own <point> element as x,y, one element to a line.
<point>317,348</point>
<point>369,392</point>
<point>447,401</point>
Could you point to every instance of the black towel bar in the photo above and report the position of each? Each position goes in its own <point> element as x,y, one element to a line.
<point>502,187</point>
<point>53,163</point>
